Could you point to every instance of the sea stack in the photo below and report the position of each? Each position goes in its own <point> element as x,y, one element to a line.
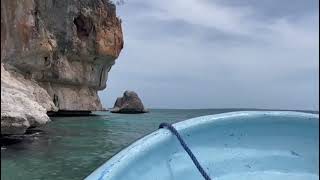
<point>55,56</point>
<point>129,103</point>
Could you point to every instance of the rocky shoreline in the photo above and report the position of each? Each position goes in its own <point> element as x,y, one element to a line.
<point>55,56</point>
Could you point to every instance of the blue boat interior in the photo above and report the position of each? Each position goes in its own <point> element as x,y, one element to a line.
<point>237,145</point>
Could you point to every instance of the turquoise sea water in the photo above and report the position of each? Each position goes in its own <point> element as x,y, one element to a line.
<point>72,147</point>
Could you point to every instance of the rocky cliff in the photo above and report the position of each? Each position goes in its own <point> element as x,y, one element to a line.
<point>55,55</point>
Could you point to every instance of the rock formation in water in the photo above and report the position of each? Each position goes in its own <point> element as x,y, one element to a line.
<point>129,103</point>
<point>55,55</point>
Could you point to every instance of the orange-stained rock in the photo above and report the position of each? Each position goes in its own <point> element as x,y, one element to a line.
<point>67,47</point>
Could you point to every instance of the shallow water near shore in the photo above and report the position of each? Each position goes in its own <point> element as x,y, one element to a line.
<point>72,147</point>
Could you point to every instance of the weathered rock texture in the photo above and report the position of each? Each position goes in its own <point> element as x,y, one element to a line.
<point>60,52</point>
<point>130,103</point>
<point>23,103</point>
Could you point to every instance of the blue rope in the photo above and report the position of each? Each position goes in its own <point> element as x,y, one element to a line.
<point>186,148</point>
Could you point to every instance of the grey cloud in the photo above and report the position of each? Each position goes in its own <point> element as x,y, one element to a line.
<point>181,63</point>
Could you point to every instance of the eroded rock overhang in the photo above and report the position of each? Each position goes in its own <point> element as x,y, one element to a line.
<point>65,47</point>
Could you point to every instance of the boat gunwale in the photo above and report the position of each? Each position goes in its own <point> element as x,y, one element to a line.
<point>109,168</point>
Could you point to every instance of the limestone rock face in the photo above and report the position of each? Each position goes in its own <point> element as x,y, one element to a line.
<point>64,48</point>
<point>130,103</point>
<point>23,103</point>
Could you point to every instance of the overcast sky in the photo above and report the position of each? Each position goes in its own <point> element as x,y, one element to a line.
<point>218,54</point>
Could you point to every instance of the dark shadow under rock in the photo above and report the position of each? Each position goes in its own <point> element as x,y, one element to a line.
<point>62,113</point>
<point>7,140</point>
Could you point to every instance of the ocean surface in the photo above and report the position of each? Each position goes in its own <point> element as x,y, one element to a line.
<point>72,147</point>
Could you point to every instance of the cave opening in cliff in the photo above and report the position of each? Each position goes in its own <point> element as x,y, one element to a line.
<point>84,26</point>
